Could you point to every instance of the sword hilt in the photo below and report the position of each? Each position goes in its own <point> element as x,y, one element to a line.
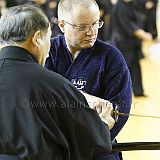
<point>116,114</point>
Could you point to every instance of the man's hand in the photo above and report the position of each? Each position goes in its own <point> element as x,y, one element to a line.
<point>141,34</point>
<point>103,107</point>
<point>105,115</point>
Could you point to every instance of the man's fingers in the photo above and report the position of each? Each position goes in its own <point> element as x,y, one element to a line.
<point>99,107</point>
<point>106,111</point>
<point>108,106</point>
<point>106,117</point>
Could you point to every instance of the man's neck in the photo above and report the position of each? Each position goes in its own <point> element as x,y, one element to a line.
<point>75,54</point>
<point>74,51</point>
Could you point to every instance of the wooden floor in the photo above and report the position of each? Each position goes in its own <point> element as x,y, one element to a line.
<point>145,129</point>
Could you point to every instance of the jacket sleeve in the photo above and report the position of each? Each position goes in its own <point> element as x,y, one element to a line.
<point>118,88</point>
<point>83,127</point>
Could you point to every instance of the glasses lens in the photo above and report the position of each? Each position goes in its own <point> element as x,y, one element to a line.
<point>85,28</point>
<point>82,28</point>
<point>98,24</point>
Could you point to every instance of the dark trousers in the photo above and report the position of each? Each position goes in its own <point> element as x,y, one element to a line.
<point>136,76</point>
<point>132,58</point>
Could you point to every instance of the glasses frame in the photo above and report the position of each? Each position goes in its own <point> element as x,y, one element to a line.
<point>86,26</point>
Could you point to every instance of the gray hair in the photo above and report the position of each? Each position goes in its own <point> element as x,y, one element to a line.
<point>20,22</point>
<point>65,7</point>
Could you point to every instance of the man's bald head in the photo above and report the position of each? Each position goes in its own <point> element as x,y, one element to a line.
<point>65,7</point>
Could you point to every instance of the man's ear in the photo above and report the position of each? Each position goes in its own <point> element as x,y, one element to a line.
<point>37,39</point>
<point>61,25</point>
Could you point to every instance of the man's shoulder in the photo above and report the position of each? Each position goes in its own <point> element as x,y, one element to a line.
<point>53,82</point>
<point>104,44</point>
<point>111,53</point>
<point>44,76</point>
<point>41,71</point>
<point>107,48</point>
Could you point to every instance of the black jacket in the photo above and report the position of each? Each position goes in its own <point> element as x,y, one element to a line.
<point>42,115</point>
<point>124,22</point>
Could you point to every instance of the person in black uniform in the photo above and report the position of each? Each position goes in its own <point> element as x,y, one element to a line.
<point>150,9</point>
<point>151,23</point>
<point>42,115</point>
<point>105,11</point>
<point>127,34</point>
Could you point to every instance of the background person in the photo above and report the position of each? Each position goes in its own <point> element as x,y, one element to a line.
<point>127,35</point>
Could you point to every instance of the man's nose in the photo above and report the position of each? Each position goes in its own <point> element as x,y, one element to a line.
<point>91,30</point>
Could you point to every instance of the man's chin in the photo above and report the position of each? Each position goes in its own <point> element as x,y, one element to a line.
<point>88,45</point>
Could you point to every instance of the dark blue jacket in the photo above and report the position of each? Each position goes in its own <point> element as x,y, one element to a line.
<point>100,71</point>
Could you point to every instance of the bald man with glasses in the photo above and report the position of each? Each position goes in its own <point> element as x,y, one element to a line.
<point>96,68</point>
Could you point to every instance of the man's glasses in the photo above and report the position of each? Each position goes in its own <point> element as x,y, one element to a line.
<point>86,27</point>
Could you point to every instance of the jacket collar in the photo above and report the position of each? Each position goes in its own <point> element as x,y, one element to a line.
<point>14,52</point>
